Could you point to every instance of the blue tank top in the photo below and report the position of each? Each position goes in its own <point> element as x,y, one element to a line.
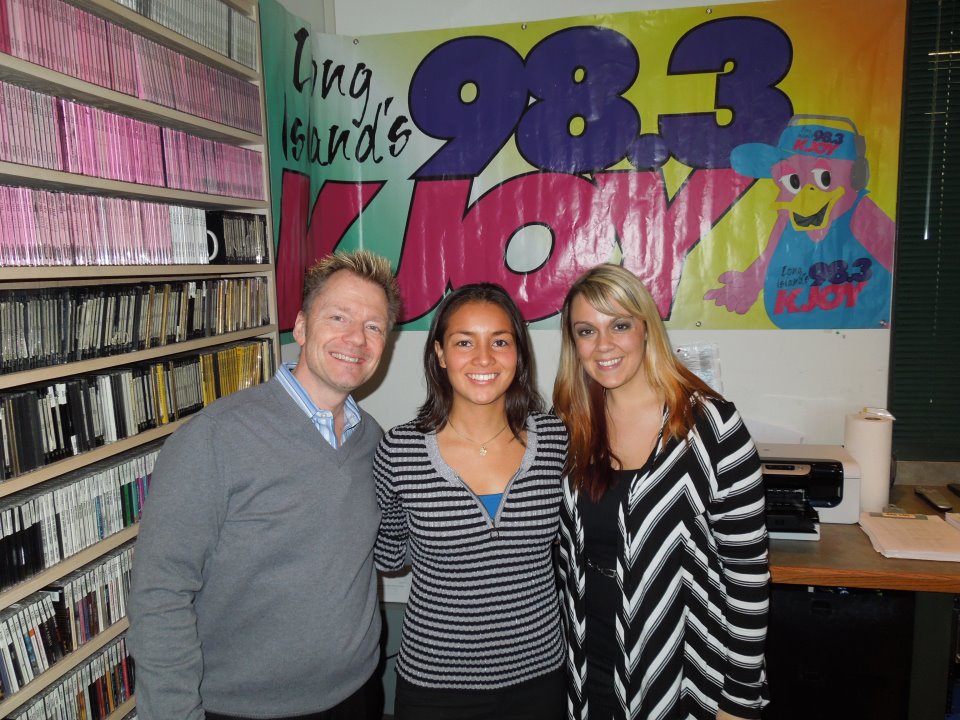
<point>491,503</point>
<point>834,283</point>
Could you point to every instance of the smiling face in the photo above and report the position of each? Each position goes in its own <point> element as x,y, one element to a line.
<point>479,353</point>
<point>341,338</point>
<point>610,347</point>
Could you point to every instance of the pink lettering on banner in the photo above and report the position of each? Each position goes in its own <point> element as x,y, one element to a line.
<point>302,241</point>
<point>787,301</point>
<point>449,241</point>
<point>817,147</point>
<point>854,291</point>
<point>656,232</point>
<point>822,297</point>
<point>825,297</point>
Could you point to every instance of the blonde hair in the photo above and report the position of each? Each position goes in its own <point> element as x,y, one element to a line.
<point>579,400</point>
<point>362,263</point>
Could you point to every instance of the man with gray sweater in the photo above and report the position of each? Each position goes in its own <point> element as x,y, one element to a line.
<point>254,590</point>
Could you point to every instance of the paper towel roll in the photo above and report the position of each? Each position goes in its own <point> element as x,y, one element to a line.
<point>868,437</point>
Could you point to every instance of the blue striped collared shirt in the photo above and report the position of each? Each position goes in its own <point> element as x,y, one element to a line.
<point>321,419</point>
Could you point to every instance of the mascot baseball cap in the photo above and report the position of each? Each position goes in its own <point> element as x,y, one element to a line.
<point>757,159</point>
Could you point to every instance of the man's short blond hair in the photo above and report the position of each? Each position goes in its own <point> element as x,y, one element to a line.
<point>362,263</point>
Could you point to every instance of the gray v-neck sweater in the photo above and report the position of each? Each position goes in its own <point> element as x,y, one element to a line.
<point>254,589</point>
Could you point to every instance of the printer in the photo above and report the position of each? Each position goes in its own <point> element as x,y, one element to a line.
<point>806,485</point>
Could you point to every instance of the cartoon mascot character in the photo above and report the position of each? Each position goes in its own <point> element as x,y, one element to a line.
<point>829,259</point>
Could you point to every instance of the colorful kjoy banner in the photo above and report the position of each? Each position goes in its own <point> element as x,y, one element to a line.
<point>741,159</point>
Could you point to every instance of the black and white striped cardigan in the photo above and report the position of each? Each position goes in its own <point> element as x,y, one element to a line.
<point>483,611</point>
<point>693,569</point>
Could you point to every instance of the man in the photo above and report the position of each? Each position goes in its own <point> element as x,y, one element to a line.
<point>254,590</point>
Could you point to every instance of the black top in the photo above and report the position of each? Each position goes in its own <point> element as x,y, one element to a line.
<point>601,547</point>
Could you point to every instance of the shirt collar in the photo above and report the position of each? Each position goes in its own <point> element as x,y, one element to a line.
<point>322,419</point>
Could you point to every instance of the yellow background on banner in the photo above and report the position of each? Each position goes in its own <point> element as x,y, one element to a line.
<point>848,62</point>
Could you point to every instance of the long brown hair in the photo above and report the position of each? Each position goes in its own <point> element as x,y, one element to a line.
<point>579,400</point>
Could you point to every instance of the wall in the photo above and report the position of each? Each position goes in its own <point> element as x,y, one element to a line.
<point>319,13</point>
<point>789,385</point>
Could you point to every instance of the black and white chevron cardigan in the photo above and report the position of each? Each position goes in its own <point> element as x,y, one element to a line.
<point>693,569</point>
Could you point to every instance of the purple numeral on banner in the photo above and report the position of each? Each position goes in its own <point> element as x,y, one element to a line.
<point>750,56</point>
<point>578,121</point>
<point>836,273</point>
<point>566,105</point>
<point>470,92</point>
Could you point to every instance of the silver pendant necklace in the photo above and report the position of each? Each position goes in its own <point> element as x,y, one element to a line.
<point>483,445</point>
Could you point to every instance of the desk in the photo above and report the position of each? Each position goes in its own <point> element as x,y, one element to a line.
<point>844,557</point>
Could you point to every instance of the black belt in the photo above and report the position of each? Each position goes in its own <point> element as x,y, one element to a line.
<point>605,571</point>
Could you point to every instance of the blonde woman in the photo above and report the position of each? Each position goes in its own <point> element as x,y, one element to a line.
<point>663,542</point>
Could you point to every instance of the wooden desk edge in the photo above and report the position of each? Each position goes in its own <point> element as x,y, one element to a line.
<point>844,557</point>
<point>916,581</point>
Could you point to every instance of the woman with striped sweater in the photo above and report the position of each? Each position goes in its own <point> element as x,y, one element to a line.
<point>663,543</point>
<point>470,491</point>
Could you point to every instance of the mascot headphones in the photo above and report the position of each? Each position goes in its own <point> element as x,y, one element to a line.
<point>860,175</point>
